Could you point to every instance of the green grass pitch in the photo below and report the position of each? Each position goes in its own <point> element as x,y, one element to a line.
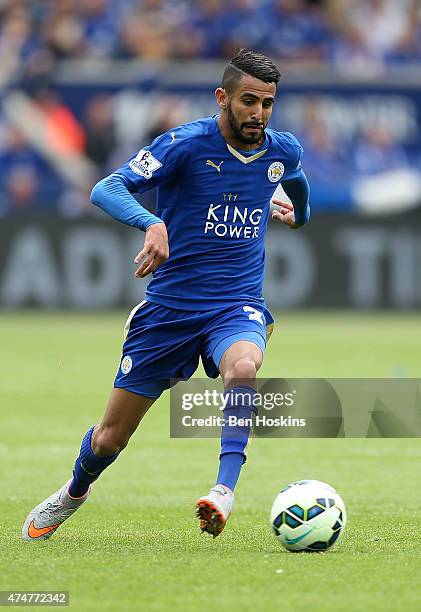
<point>136,544</point>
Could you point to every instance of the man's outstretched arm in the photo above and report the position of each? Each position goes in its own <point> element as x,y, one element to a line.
<point>112,195</point>
<point>297,214</point>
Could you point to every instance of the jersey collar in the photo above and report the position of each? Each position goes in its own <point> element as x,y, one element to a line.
<point>244,156</point>
<point>248,159</point>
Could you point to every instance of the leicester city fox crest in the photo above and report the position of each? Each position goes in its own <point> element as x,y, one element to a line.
<point>126,364</point>
<point>276,172</point>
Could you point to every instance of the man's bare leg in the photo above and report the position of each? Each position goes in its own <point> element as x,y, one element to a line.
<point>122,416</point>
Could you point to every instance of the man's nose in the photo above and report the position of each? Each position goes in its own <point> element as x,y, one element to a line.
<point>257,113</point>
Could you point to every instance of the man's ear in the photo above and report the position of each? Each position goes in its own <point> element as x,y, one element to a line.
<point>221,98</point>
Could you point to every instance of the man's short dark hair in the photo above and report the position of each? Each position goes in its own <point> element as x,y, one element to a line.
<point>252,63</point>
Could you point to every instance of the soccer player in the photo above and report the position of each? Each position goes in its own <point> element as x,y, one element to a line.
<point>205,248</point>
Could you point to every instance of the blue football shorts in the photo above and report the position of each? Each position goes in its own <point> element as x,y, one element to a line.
<point>164,343</point>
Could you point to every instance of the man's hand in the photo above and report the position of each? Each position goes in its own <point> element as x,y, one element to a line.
<point>285,214</point>
<point>155,250</point>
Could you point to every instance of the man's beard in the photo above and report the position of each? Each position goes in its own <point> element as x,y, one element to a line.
<point>237,129</point>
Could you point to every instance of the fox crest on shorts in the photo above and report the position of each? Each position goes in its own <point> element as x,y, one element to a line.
<point>126,364</point>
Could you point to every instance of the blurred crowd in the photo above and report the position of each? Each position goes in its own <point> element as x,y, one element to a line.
<point>340,32</point>
<point>38,178</point>
<point>366,36</point>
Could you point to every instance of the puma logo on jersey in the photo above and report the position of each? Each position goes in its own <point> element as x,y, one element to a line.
<point>211,163</point>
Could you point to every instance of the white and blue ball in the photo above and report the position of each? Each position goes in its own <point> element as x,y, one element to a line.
<point>308,515</point>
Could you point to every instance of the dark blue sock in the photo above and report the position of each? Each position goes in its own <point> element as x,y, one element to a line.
<point>234,437</point>
<point>87,467</point>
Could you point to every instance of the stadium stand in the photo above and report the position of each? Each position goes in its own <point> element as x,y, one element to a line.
<point>359,41</point>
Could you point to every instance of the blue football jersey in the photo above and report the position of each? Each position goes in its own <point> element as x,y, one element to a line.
<point>215,202</point>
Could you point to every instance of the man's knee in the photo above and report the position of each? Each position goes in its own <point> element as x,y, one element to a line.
<point>241,370</point>
<point>107,440</point>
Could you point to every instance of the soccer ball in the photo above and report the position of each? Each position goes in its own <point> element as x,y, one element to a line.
<point>308,515</point>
